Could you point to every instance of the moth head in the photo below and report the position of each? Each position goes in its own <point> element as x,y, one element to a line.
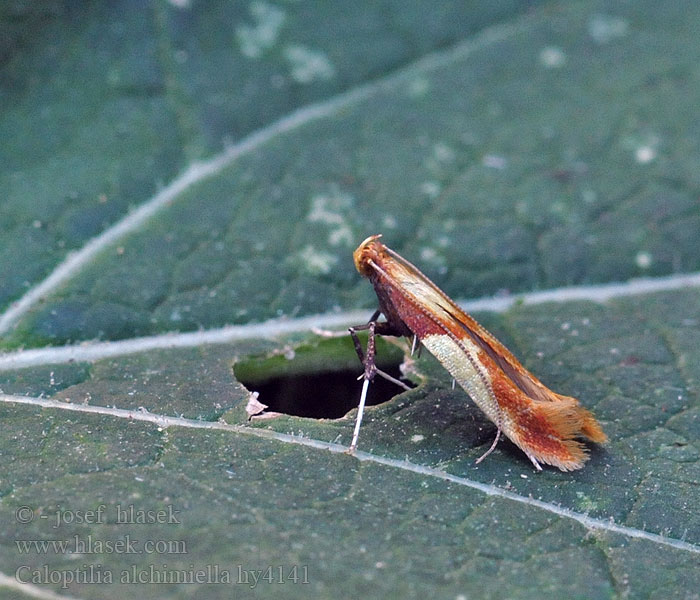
<point>368,250</point>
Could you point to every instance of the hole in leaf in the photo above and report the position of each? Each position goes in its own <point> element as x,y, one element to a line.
<point>319,380</point>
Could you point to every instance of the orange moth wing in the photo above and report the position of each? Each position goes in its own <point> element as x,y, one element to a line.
<point>540,422</point>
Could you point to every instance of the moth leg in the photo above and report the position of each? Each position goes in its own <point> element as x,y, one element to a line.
<point>372,370</point>
<point>534,461</point>
<point>388,377</point>
<point>371,324</point>
<point>492,448</point>
<point>372,319</point>
<point>368,359</point>
<point>499,427</point>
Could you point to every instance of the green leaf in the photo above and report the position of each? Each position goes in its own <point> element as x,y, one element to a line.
<point>184,184</point>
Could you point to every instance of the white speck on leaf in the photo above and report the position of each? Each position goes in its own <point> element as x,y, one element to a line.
<point>253,41</point>
<point>418,87</point>
<point>605,28</point>
<point>330,209</point>
<point>643,259</point>
<point>642,144</point>
<point>308,65</point>
<point>417,438</point>
<point>494,161</point>
<point>589,196</point>
<point>341,235</point>
<point>441,156</point>
<point>443,153</point>
<point>430,188</point>
<point>316,262</point>
<point>389,221</point>
<point>552,57</point>
<point>644,154</point>
<point>430,254</point>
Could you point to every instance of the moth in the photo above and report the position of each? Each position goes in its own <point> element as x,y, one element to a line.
<point>543,424</point>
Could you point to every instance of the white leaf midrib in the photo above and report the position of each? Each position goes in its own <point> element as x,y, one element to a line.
<point>199,171</point>
<point>164,421</point>
<point>275,328</point>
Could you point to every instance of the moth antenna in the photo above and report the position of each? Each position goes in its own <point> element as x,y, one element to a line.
<point>414,345</point>
<point>454,382</point>
<point>358,420</point>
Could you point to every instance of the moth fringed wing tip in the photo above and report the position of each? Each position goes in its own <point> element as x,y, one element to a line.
<point>592,429</point>
<point>564,421</point>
